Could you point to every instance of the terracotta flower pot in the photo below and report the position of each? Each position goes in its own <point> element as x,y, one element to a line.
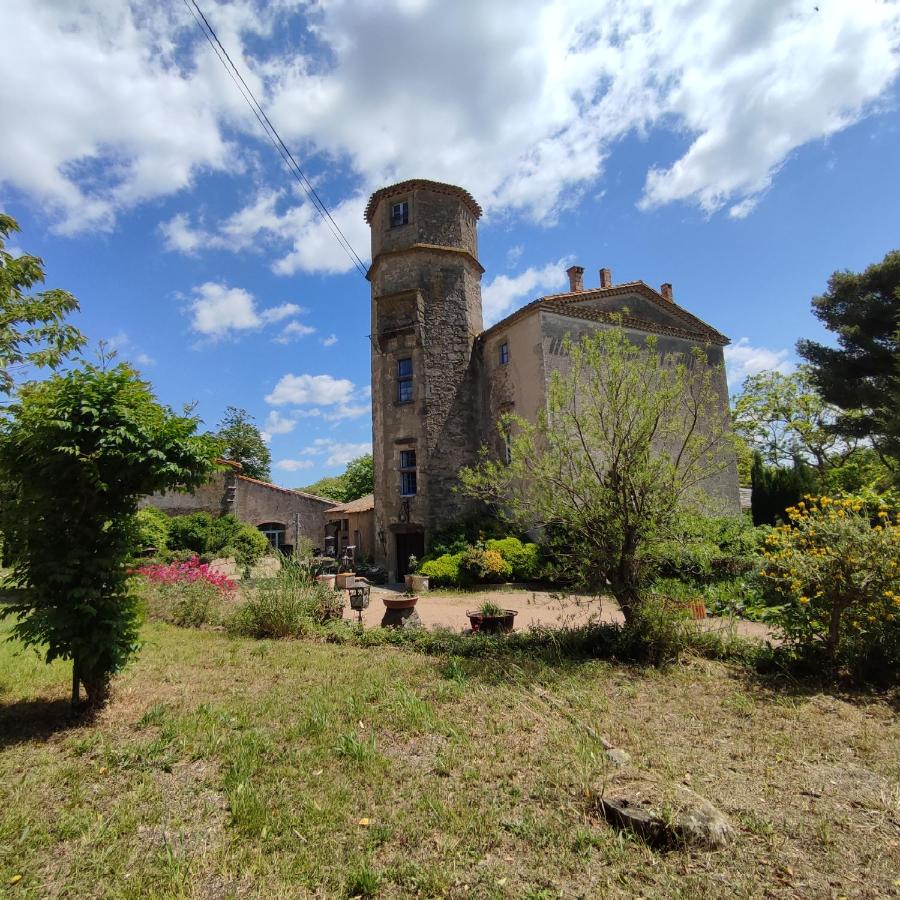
<point>327,581</point>
<point>482,624</point>
<point>401,602</point>
<point>696,609</point>
<point>416,583</point>
<point>344,580</point>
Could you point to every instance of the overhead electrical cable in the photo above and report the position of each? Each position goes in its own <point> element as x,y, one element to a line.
<point>272,133</point>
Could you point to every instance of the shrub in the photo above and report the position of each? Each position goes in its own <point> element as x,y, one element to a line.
<point>286,606</point>
<point>524,559</point>
<point>443,571</point>
<point>459,536</point>
<point>212,536</point>
<point>478,564</point>
<point>151,529</point>
<point>835,569</point>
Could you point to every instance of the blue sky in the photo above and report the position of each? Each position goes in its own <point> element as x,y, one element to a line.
<point>741,152</point>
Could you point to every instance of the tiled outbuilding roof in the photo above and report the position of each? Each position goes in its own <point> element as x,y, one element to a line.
<point>570,304</point>
<point>283,490</point>
<point>362,504</point>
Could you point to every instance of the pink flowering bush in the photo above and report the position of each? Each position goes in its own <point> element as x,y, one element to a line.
<point>184,593</point>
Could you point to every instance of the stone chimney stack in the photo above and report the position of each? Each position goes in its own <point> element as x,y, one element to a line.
<point>666,291</point>
<point>605,278</point>
<point>576,278</point>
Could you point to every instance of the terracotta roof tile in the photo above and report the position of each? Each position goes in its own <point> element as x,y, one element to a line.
<point>438,187</point>
<point>362,504</point>
<point>283,490</point>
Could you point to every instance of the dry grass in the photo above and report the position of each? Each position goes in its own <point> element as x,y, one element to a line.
<point>235,768</point>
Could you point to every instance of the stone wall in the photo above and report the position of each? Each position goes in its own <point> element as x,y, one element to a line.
<point>253,502</point>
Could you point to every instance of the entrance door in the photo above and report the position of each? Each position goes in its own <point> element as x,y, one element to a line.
<point>412,544</point>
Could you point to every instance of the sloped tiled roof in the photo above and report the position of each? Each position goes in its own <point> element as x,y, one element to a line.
<point>283,490</point>
<point>570,304</point>
<point>363,504</point>
<point>437,187</point>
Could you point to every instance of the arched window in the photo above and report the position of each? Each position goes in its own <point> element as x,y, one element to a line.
<point>274,531</point>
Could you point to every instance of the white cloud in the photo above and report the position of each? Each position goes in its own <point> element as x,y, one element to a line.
<point>123,346</point>
<point>316,390</point>
<point>292,331</point>
<point>503,292</point>
<point>294,465</point>
<point>329,341</point>
<point>522,101</point>
<point>337,453</point>
<point>742,359</point>
<point>276,423</point>
<point>348,411</point>
<point>220,311</point>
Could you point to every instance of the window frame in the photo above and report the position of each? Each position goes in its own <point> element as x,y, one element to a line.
<point>503,353</point>
<point>408,468</point>
<point>403,205</point>
<point>404,381</point>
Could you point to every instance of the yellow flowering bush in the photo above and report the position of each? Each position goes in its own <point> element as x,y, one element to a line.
<point>835,567</point>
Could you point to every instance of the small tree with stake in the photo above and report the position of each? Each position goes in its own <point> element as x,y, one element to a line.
<point>76,454</point>
<point>628,437</point>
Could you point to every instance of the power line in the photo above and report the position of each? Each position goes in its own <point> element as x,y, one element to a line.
<point>272,133</point>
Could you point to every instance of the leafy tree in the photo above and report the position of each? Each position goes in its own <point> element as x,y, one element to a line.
<point>242,443</point>
<point>622,450</point>
<point>331,486</point>
<point>203,533</point>
<point>152,529</point>
<point>862,375</point>
<point>76,454</point>
<point>783,416</point>
<point>33,330</point>
<point>359,478</point>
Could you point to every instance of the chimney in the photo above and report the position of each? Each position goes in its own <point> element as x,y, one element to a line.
<point>666,291</point>
<point>605,278</point>
<point>576,278</point>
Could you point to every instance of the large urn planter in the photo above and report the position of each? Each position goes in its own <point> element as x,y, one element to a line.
<point>327,581</point>
<point>345,580</point>
<point>400,612</point>
<point>416,584</point>
<point>492,623</point>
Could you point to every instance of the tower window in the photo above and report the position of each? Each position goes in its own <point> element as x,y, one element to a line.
<point>407,473</point>
<point>404,380</point>
<point>399,213</point>
<point>504,353</point>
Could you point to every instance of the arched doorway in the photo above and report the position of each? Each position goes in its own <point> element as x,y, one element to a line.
<point>275,532</point>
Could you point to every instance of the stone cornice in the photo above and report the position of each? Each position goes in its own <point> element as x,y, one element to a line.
<point>430,248</point>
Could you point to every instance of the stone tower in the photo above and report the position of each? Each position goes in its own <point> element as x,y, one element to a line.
<point>426,314</point>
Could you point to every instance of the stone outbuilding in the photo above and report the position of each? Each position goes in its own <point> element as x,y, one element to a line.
<point>353,525</point>
<point>283,515</point>
<point>440,380</point>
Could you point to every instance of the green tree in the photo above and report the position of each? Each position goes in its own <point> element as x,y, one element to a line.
<point>331,486</point>
<point>242,443</point>
<point>359,478</point>
<point>775,488</point>
<point>862,375</point>
<point>628,438</point>
<point>33,330</point>
<point>76,454</point>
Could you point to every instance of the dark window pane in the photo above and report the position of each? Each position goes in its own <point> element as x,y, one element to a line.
<point>407,459</point>
<point>404,367</point>
<point>405,391</point>
<point>399,214</point>
<point>504,353</point>
<point>407,483</point>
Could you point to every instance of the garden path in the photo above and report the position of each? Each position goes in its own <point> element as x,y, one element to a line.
<point>447,609</point>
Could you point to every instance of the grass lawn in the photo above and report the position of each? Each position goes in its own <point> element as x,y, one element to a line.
<point>240,768</point>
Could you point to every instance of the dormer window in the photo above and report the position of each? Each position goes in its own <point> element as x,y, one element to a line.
<point>399,213</point>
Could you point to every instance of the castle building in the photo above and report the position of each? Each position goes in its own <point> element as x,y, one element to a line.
<point>440,380</point>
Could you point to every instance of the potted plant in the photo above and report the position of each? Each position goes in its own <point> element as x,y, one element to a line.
<point>407,600</point>
<point>490,618</point>
<point>415,583</point>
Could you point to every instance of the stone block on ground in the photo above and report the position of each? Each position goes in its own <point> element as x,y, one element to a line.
<point>226,565</point>
<point>401,618</point>
<point>267,567</point>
